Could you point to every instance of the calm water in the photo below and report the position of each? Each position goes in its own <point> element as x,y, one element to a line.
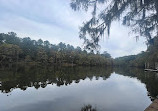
<point>36,88</point>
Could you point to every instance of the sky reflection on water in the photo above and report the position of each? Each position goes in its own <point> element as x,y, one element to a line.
<point>117,93</point>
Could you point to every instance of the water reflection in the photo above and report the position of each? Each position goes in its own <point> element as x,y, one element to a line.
<point>39,76</point>
<point>38,88</point>
<point>150,79</point>
<point>88,108</point>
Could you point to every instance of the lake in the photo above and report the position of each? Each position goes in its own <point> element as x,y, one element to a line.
<point>48,88</point>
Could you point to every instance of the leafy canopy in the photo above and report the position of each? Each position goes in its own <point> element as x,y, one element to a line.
<point>140,15</point>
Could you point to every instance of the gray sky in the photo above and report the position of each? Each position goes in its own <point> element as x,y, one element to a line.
<point>55,21</point>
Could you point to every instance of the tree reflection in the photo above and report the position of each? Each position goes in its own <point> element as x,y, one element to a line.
<point>148,78</point>
<point>88,108</point>
<point>40,76</point>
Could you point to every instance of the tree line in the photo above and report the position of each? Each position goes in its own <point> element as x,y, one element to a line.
<point>15,49</point>
<point>145,59</point>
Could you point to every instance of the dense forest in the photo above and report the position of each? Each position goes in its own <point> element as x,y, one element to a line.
<point>14,49</point>
<point>144,59</point>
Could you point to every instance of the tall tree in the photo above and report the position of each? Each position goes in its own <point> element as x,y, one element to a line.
<point>1,38</point>
<point>40,42</point>
<point>46,43</point>
<point>140,15</point>
<point>106,54</point>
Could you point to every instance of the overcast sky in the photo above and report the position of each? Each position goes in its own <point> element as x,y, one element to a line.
<point>55,21</point>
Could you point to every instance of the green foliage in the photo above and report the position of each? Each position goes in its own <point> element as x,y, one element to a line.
<point>149,57</point>
<point>27,58</point>
<point>42,56</point>
<point>9,52</point>
<point>29,50</point>
<point>140,15</point>
<point>105,54</point>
